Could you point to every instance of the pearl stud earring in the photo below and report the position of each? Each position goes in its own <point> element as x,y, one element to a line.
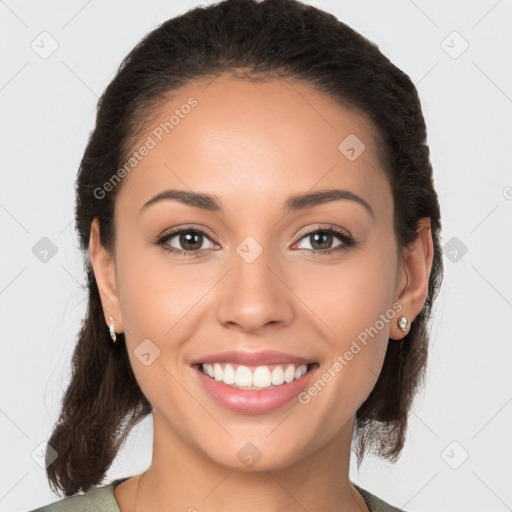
<point>403,323</point>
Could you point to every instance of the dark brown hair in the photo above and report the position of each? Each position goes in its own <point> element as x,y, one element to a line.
<point>280,39</point>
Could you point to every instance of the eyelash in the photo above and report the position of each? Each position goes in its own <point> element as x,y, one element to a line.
<point>347,241</point>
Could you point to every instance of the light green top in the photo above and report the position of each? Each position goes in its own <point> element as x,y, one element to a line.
<point>102,499</point>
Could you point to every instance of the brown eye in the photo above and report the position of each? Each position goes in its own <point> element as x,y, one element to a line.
<point>326,240</point>
<point>185,241</point>
<point>189,241</point>
<point>321,240</point>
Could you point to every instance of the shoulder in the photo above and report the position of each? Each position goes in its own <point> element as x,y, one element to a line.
<point>374,503</point>
<point>100,499</point>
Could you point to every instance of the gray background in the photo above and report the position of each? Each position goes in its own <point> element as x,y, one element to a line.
<point>458,452</point>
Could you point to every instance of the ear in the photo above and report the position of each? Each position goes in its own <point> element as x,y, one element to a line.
<point>103,264</point>
<point>415,265</point>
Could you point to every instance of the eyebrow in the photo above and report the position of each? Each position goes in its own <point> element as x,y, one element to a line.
<point>297,202</point>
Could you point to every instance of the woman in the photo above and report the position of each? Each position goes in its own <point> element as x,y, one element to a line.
<point>261,232</point>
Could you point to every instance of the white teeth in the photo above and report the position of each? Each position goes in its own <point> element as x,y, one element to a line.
<point>289,373</point>
<point>229,375</point>
<point>261,378</point>
<point>217,371</point>
<point>277,376</point>
<point>243,376</point>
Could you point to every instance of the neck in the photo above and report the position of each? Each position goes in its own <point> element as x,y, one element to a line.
<point>184,479</point>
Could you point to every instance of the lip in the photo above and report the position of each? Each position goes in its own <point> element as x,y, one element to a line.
<point>262,358</point>
<point>253,401</point>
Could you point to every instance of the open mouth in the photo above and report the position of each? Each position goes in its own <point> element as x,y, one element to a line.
<point>255,377</point>
<point>254,389</point>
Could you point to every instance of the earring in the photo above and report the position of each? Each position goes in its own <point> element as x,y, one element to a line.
<point>112,332</point>
<point>403,323</point>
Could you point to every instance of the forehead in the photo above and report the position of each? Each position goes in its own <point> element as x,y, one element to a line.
<point>271,139</point>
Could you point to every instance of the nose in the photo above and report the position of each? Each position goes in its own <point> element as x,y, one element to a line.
<point>255,295</point>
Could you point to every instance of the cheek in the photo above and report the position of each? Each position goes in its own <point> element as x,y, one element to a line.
<point>354,311</point>
<point>155,293</point>
<point>353,304</point>
<point>156,298</point>
<point>350,296</point>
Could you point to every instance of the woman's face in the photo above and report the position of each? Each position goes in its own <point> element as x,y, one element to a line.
<point>251,282</point>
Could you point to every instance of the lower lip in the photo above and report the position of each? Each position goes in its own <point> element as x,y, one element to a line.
<point>254,401</point>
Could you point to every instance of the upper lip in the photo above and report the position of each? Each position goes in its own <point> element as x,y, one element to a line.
<point>265,357</point>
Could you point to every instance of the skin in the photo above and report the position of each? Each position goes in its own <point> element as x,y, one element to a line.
<point>253,145</point>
